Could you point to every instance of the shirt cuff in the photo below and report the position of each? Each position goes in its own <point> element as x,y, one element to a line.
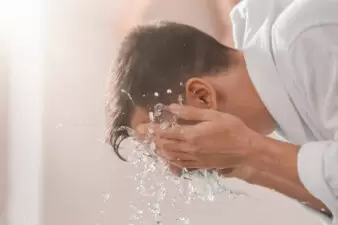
<point>311,171</point>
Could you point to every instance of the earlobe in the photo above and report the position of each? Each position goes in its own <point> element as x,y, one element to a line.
<point>200,93</point>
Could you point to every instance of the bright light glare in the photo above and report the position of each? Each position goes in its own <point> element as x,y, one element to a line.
<point>19,15</point>
<point>21,23</point>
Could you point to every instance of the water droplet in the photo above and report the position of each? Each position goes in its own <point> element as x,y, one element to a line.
<point>183,219</point>
<point>100,140</point>
<point>128,95</point>
<point>180,99</point>
<point>151,130</point>
<point>106,197</point>
<point>151,117</point>
<point>169,91</point>
<point>156,94</point>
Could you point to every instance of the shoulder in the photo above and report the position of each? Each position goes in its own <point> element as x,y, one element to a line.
<point>302,17</point>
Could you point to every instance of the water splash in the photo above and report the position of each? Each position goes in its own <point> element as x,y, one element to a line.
<point>185,220</point>
<point>106,197</point>
<point>163,116</point>
<point>129,130</point>
<point>180,99</point>
<point>153,174</point>
<point>128,95</point>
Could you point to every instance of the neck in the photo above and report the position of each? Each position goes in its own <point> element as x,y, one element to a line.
<point>250,107</point>
<point>262,121</point>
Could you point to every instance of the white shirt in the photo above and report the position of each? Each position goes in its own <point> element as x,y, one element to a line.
<point>291,51</point>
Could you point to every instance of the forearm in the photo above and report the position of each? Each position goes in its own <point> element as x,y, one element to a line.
<point>282,185</point>
<point>278,171</point>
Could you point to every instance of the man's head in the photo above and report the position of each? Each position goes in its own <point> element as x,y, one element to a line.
<point>158,63</point>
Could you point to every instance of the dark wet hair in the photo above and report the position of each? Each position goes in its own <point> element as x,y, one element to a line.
<point>152,59</point>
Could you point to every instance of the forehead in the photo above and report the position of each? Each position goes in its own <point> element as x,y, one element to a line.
<point>139,116</point>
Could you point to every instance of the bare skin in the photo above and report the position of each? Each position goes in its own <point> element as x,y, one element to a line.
<point>229,134</point>
<point>223,142</point>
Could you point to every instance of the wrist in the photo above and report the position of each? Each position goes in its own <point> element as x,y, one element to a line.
<point>280,157</point>
<point>270,155</point>
<point>279,160</point>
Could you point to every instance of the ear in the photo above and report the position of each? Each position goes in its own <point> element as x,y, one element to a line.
<point>200,93</point>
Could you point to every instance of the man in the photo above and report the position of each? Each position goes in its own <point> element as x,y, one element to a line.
<point>283,78</point>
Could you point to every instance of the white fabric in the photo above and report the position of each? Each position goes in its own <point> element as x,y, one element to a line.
<point>291,51</point>
<point>322,219</point>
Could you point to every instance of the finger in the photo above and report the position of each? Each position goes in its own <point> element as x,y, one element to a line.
<point>177,132</point>
<point>244,173</point>
<point>192,113</point>
<point>175,156</point>
<point>144,131</point>
<point>175,146</point>
<point>173,150</point>
<point>225,171</point>
<point>192,164</point>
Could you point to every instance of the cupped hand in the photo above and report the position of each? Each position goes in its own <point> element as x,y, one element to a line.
<point>215,141</point>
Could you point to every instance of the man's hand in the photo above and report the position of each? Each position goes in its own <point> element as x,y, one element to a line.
<point>221,141</point>
<point>215,141</point>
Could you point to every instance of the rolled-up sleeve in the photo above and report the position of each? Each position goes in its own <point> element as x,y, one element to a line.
<point>314,61</point>
<point>318,171</point>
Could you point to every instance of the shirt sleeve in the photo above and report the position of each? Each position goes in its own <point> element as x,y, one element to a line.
<point>314,61</point>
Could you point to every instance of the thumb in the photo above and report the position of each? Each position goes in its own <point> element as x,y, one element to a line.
<point>192,113</point>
